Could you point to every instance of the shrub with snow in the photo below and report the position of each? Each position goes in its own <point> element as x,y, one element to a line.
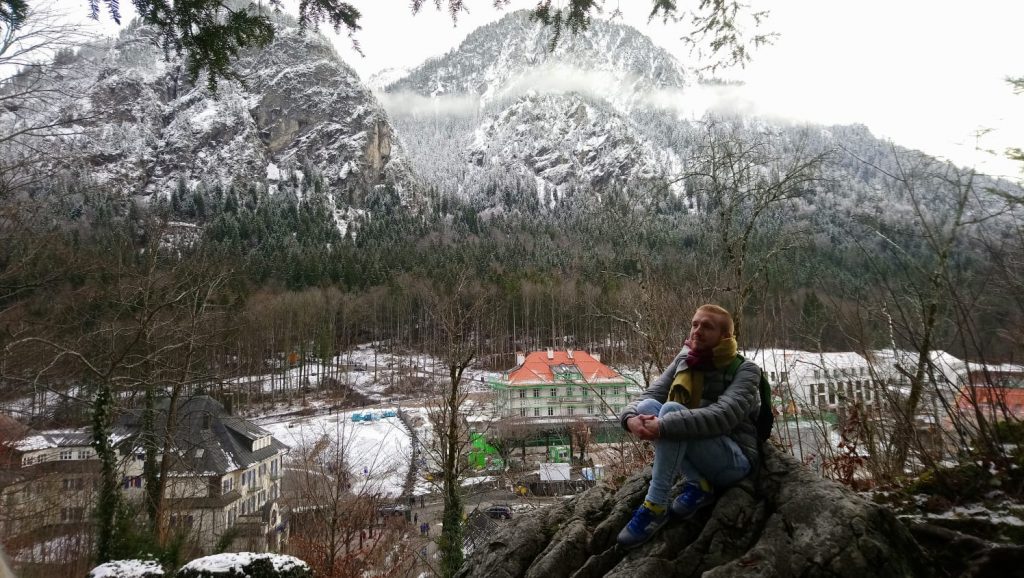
<point>128,569</point>
<point>246,565</point>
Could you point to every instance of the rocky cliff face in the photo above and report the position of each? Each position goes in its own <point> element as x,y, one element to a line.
<point>784,522</point>
<point>564,140</point>
<point>292,105</point>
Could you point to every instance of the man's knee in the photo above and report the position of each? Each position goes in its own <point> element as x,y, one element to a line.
<point>669,407</point>
<point>648,407</point>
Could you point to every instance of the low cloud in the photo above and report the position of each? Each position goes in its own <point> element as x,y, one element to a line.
<point>410,103</point>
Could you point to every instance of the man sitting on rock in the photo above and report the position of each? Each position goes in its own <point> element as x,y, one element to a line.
<point>700,424</point>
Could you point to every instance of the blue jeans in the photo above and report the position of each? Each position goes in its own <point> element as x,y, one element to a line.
<point>717,460</point>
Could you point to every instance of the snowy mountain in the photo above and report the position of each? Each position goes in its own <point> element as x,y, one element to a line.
<point>604,109</point>
<point>503,104</point>
<point>381,79</point>
<point>512,56</point>
<point>565,140</point>
<point>293,106</point>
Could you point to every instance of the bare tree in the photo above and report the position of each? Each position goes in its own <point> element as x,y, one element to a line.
<point>743,179</point>
<point>458,313</point>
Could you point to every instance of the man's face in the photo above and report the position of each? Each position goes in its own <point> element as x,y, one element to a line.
<point>706,330</point>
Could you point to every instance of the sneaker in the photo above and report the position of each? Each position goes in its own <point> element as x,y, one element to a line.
<point>643,525</point>
<point>692,499</point>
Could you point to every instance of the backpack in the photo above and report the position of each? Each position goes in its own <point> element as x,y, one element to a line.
<point>765,415</point>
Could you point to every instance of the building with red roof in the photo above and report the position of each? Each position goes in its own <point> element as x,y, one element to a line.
<point>554,386</point>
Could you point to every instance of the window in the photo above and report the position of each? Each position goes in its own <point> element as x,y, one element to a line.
<point>225,486</point>
<point>831,395</point>
<point>817,374</point>
<point>72,484</point>
<point>84,454</point>
<point>536,392</point>
<point>132,482</point>
<point>554,392</point>
<point>590,410</point>
<point>66,454</point>
<point>584,391</point>
<point>784,376</point>
<point>772,375</point>
<point>615,390</point>
<point>570,410</point>
<point>522,412</point>
<point>182,520</point>
<point>568,390</point>
<point>72,514</point>
<point>522,393</point>
<point>536,412</point>
<point>551,411</point>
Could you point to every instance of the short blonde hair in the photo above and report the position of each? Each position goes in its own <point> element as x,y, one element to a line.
<point>728,326</point>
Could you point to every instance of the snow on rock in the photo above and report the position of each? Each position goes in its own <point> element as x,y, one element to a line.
<point>127,569</point>
<point>241,564</point>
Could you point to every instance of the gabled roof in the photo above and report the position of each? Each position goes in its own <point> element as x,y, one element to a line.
<point>66,438</point>
<point>210,442</point>
<point>537,368</point>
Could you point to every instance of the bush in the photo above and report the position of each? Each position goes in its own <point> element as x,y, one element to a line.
<point>246,565</point>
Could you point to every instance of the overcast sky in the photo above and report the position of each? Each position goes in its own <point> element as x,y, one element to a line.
<point>928,74</point>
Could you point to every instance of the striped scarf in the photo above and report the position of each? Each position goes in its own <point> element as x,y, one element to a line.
<point>688,386</point>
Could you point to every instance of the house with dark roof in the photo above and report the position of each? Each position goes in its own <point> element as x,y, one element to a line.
<point>558,386</point>
<point>48,483</point>
<point>224,476</point>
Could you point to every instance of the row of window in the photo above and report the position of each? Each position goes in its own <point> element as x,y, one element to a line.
<point>249,477</point>
<point>83,454</point>
<point>567,411</point>
<point>830,394</point>
<point>839,372</point>
<point>569,391</point>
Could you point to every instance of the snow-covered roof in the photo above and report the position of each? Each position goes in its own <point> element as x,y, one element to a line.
<point>59,438</point>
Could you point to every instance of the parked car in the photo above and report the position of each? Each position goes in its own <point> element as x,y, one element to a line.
<point>499,512</point>
<point>396,510</point>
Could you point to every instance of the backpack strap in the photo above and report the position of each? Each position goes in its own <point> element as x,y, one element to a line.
<point>733,367</point>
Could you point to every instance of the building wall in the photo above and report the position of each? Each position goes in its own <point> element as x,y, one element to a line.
<point>562,400</point>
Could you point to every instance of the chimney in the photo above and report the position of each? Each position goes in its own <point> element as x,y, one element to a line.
<point>551,353</point>
<point>520,358</point>
<point>596,356</point>
<point>229,403</point>
<point>569,352</point>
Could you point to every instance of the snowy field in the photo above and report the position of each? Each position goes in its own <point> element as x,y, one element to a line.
<point>366,370</point>
<point>378,453</point>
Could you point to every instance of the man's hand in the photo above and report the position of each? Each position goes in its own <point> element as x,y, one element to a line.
<point>645,427</point>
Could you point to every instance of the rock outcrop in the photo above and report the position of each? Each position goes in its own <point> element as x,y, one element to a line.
<point>785,521</point>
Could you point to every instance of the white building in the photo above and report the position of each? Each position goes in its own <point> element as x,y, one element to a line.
<point>225,474</point>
